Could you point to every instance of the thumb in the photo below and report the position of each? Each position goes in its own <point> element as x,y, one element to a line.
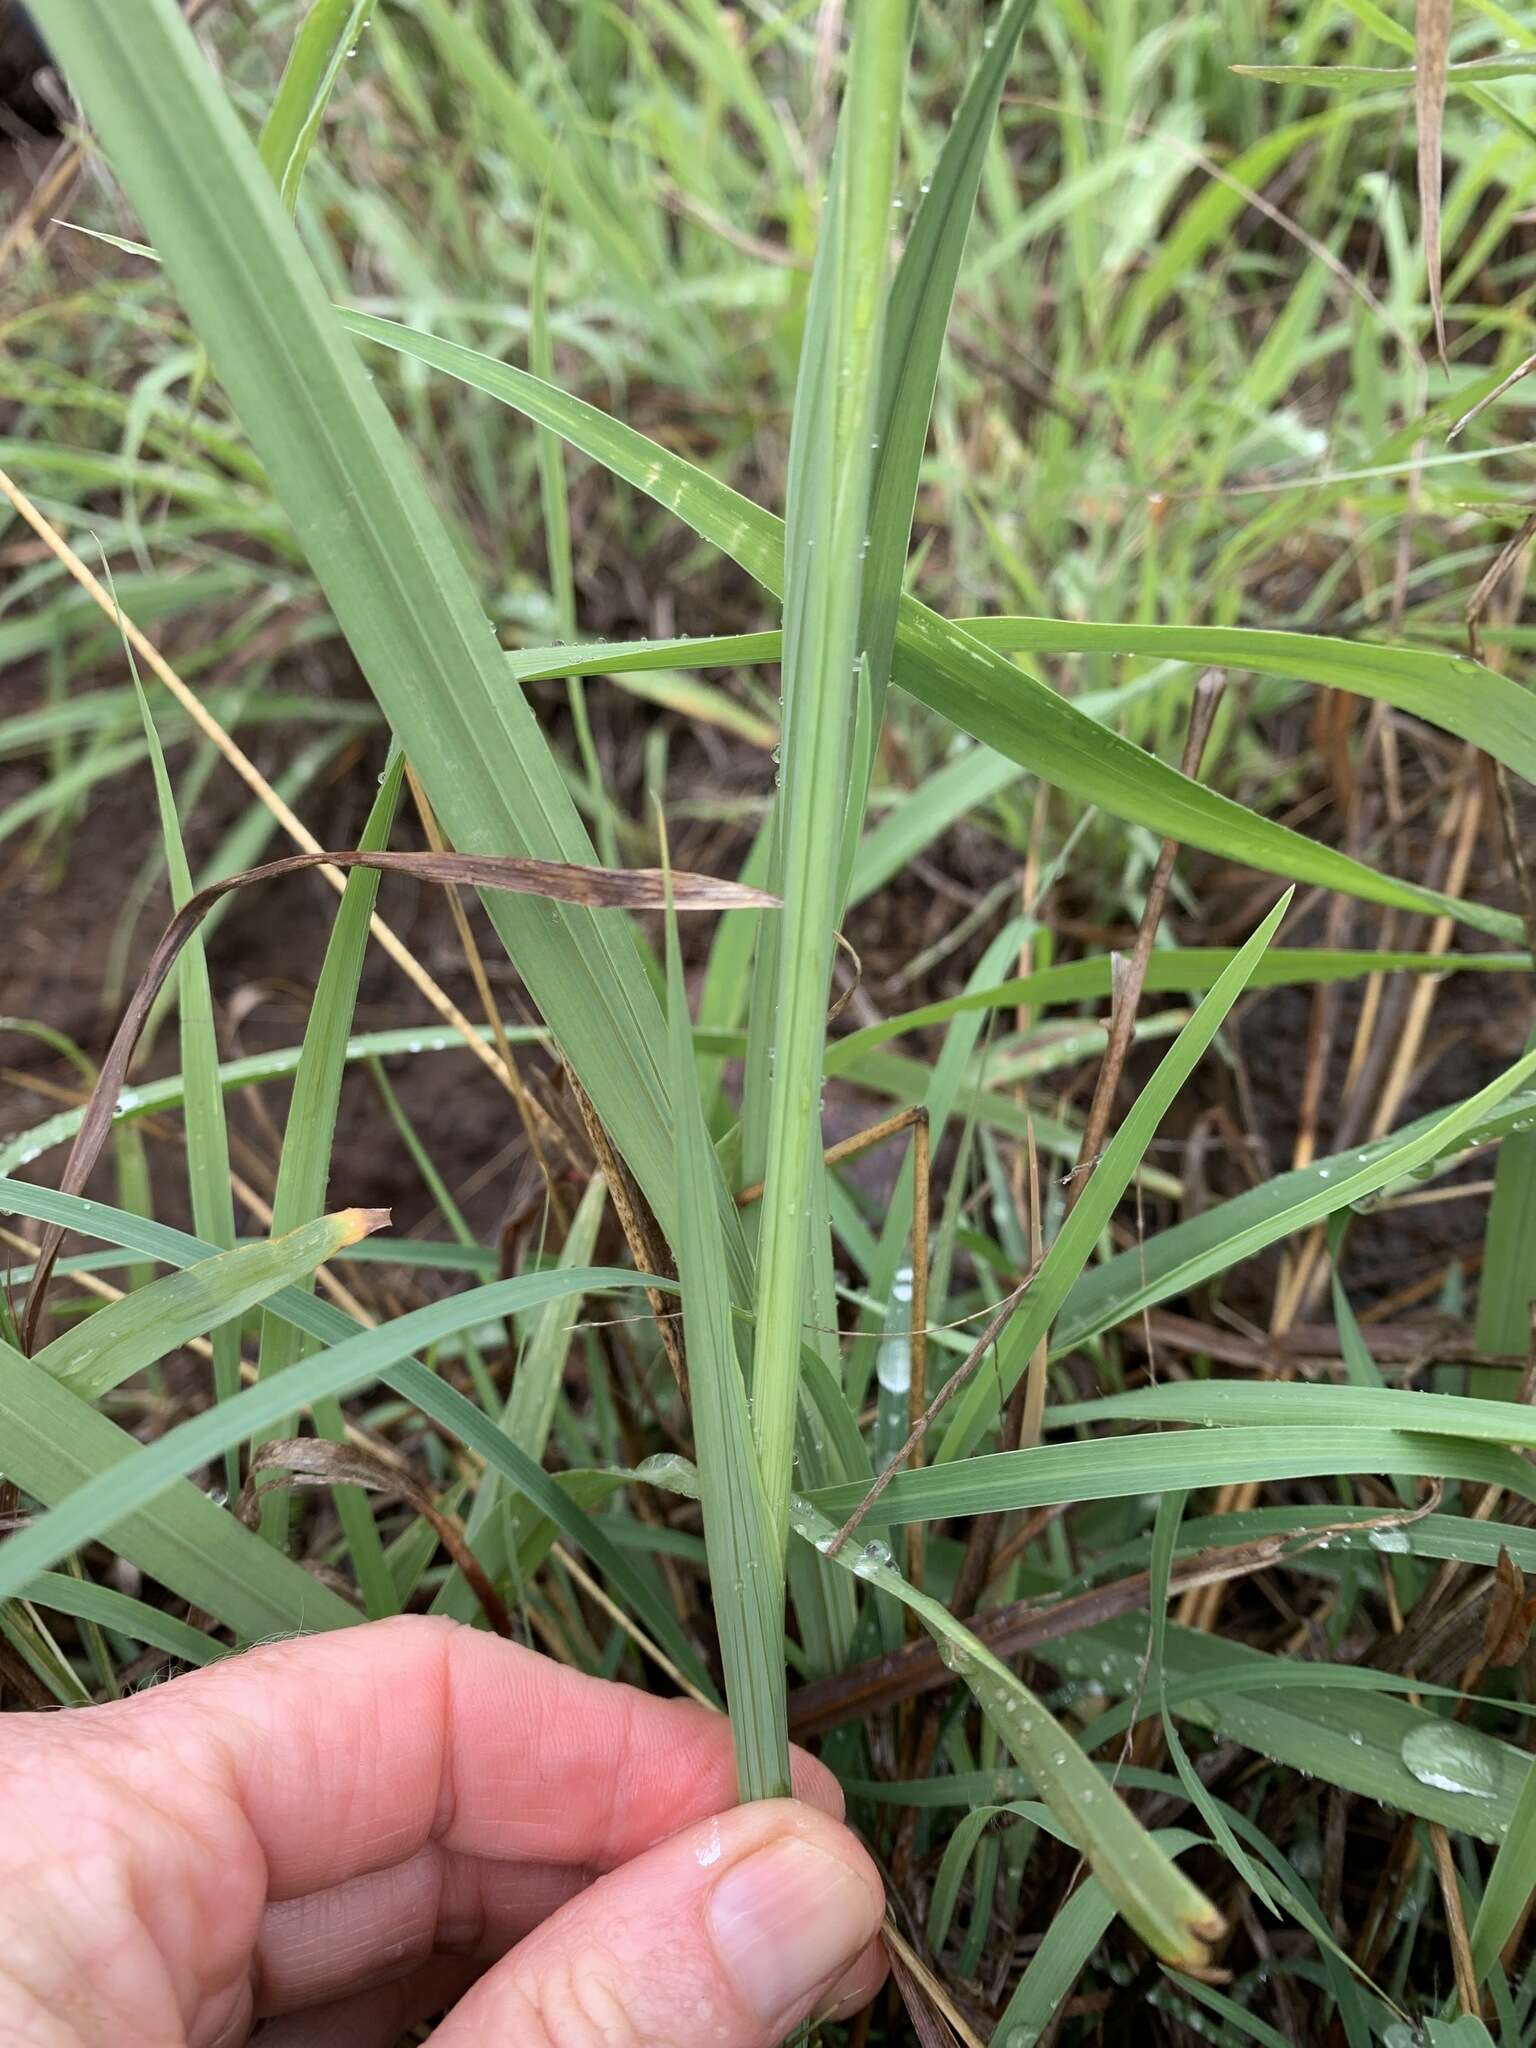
<point>728,1934</point>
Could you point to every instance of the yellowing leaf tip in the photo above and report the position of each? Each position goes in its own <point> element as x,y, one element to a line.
<point>359,1223</point>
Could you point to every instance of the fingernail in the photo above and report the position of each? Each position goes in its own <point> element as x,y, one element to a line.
<point>786,1920</point>
<point>848,1994</point>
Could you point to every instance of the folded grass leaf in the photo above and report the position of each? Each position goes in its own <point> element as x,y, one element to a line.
<point>745,1568</point>
<point>151,1322</point>
<point>826,680</point>
<point>327,38</point>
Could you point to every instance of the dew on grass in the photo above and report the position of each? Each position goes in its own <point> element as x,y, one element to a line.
<point>1452,1759</point>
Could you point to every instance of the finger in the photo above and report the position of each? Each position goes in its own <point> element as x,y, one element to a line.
<point>349,1936</point>
<point>729,1934</point>
<point>350,1752</point>
<point>856,1987</point>
<point>372,2019</point>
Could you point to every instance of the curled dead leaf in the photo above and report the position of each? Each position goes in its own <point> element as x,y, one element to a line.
<point>1431,42</point>
<point>316,1461</point>
<point>1507,1624</point>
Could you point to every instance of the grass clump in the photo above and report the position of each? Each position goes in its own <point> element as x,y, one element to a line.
<point>886,1342</point>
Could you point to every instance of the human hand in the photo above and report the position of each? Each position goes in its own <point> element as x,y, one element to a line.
<point>354,1831</point>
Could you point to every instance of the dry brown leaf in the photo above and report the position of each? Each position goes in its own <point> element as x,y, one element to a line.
<point>600,888</point>
<point>1507,1624</point>
<point>316,1461</point>
<point>1431,42</point>
<point>920,1994</point>
<point>928,2027</point>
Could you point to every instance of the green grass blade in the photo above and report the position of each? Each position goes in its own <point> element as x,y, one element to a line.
<point>962,786</point>
<point>356,1361</point>
<point>304,1171</point>
<point>1155,1897</point>
<point>1111,1468</point>
<point>1179,1258</point>
<point>421,1159</point>
<point>1506,1288</point>
<point>327,38</point>
<point>1181,970</point>
<point>637,657</point>
<point>954,674</point>
<point>528,1411</point>
<point>830,467</point>
<point>128,1335</point>
<point>1451,691</point>
<point>940,1099</point>
<point>1170,1512</point>
<point>941,664</point>
<point>208,1182</point>
<point>1074,1932</point>
<point>106,1608</point>
<point>917,318</point>
<point>170,1092</point>
<point>530,1405</point>
<point>745,1569</point>
<point>56,1445</point>
<point>332,1326</point>
<point>555,502</point>
<point>659,682</point>
<point>462,1419</point>
<point>958,1852</point>
<point>976,1406</point>
<point>1510,1883</point>
<point>1287,1404</point>
<point>1335,1722</point>
<point>1338,77</point>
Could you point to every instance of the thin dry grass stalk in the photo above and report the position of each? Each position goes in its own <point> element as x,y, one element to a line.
<point>1455,1921</point>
